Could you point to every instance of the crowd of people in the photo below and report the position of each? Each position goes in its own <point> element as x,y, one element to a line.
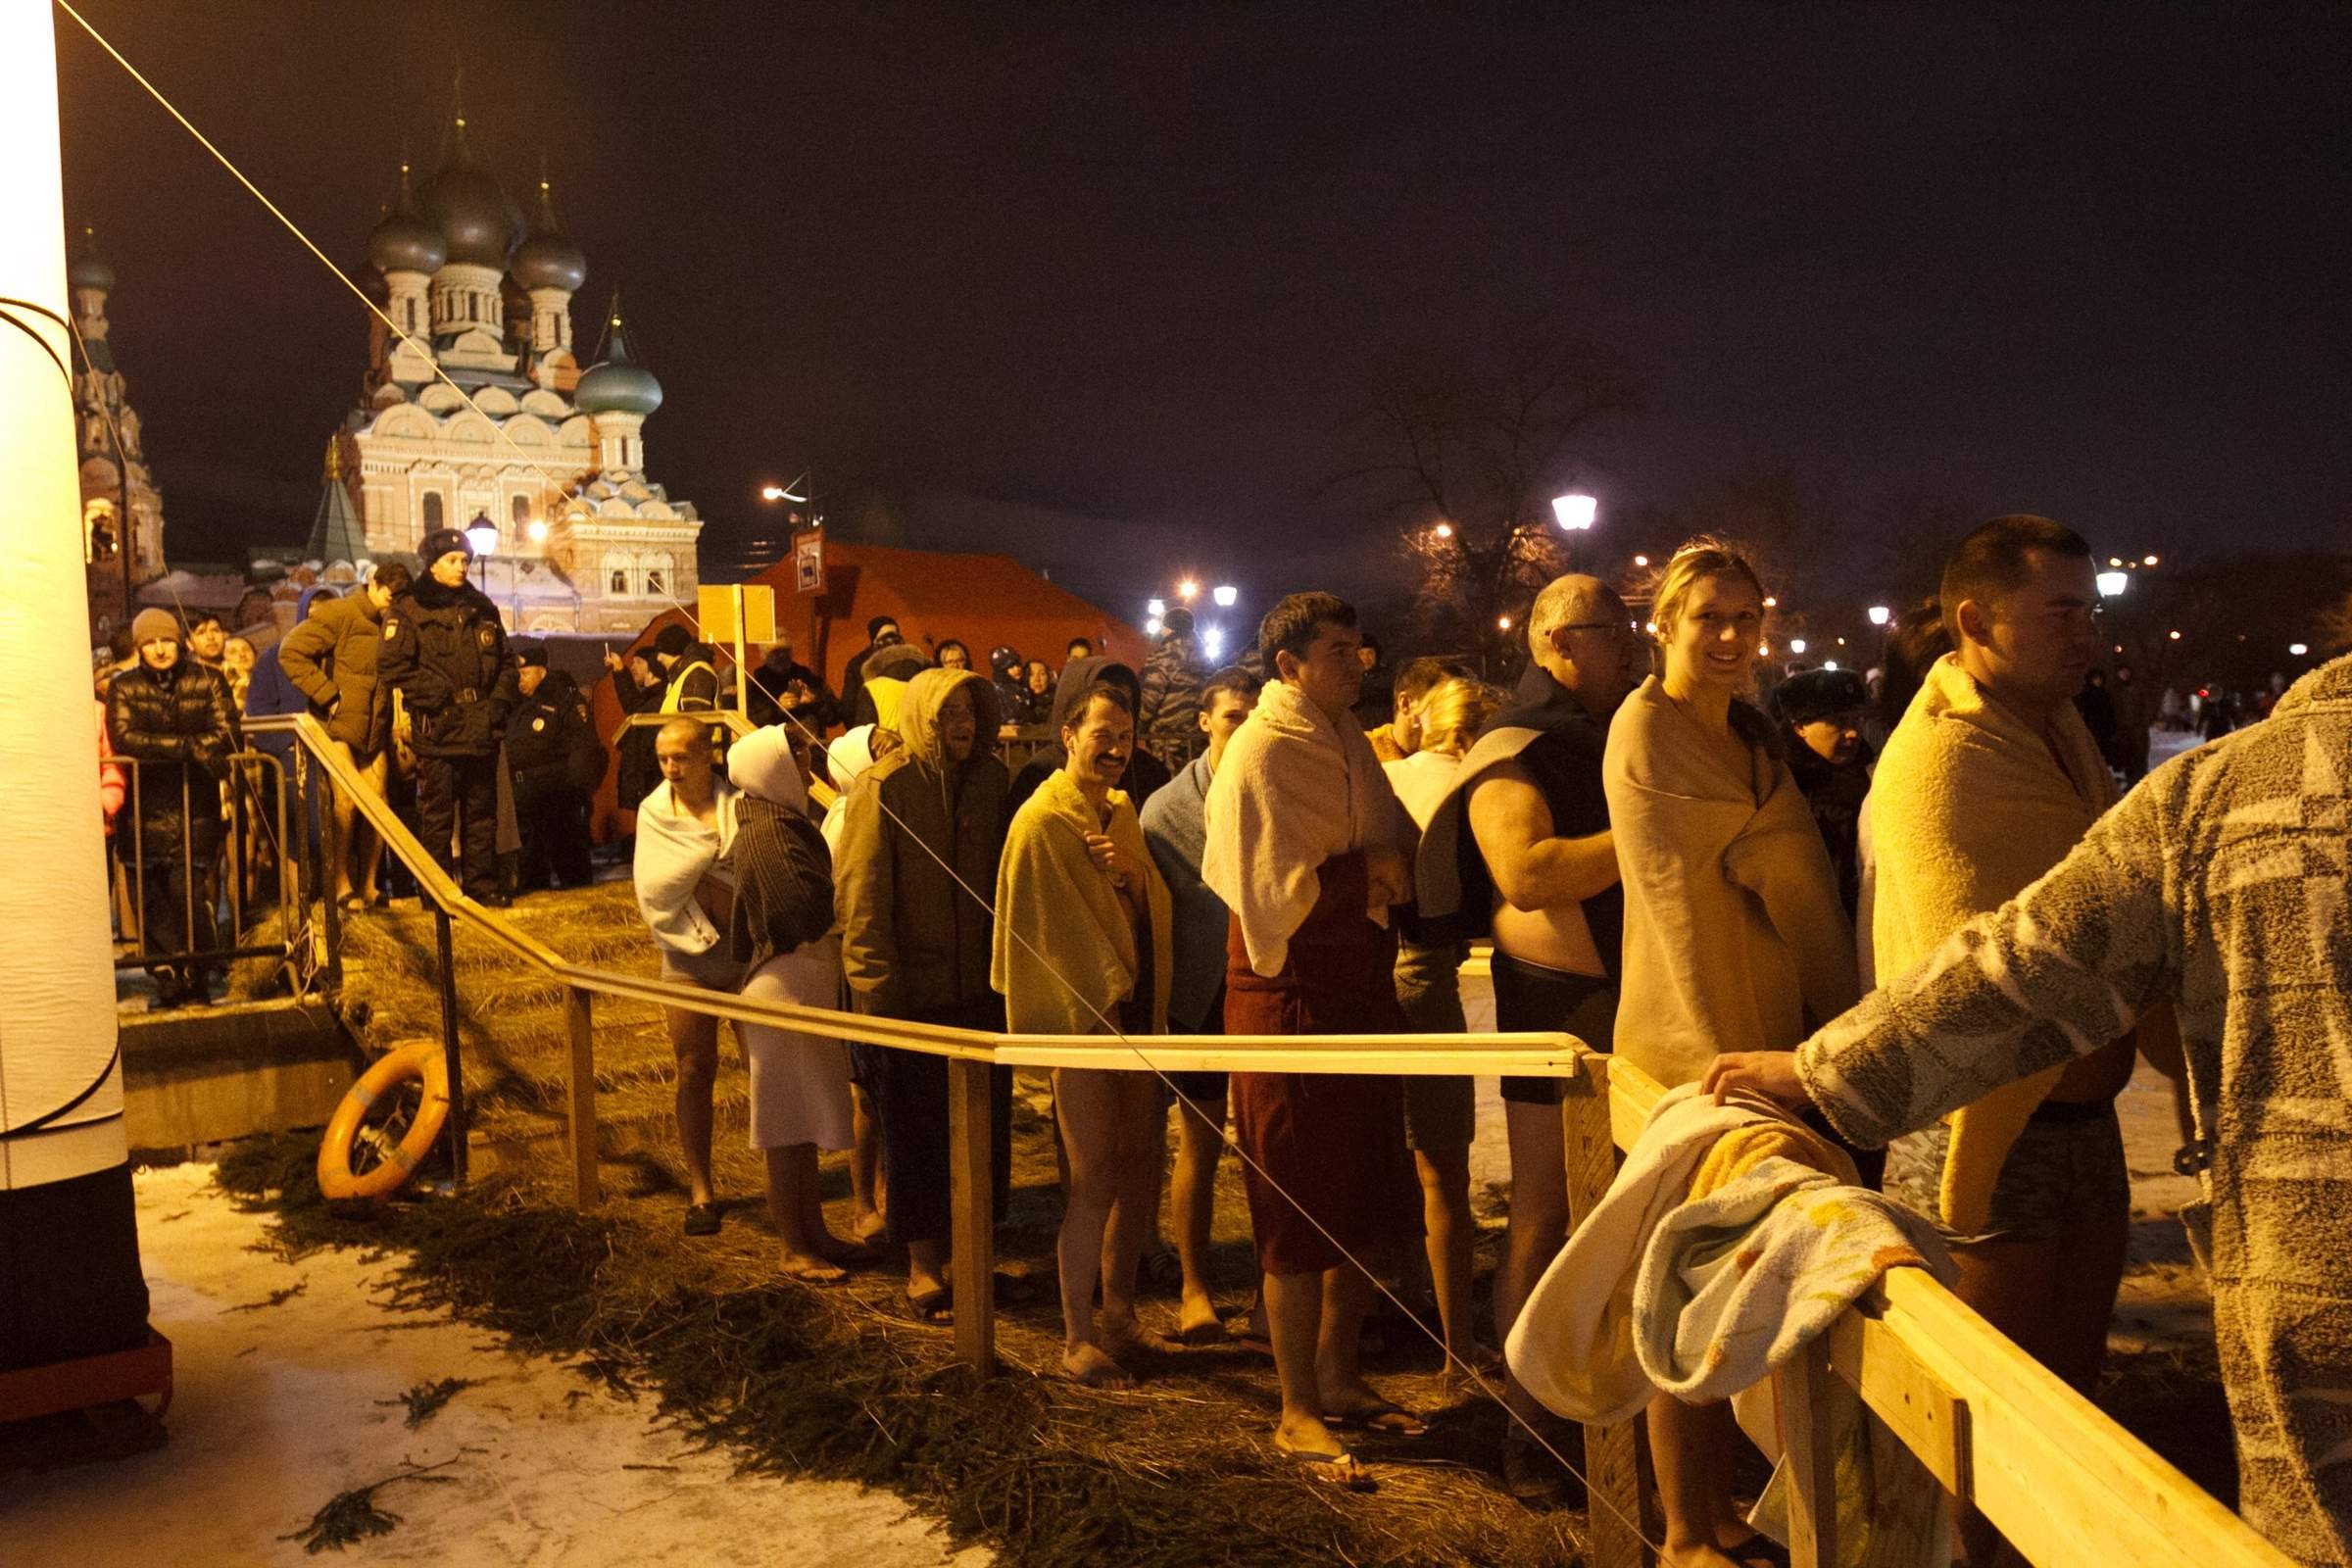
<point>1669,866</point>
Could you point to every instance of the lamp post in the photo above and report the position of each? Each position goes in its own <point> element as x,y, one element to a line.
<point>482,535</point>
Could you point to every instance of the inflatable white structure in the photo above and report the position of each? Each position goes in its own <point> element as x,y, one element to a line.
<point>69,1281</point>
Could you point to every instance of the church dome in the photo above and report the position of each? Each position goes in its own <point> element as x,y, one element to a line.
<point>547,258</point>
<point>405,242</point>
<point>86,271</point>
<point>617,383</point>
<point>476,216</point>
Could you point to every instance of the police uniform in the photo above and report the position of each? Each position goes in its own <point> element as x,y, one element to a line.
<point>556,762</point>
<point>446,653</point>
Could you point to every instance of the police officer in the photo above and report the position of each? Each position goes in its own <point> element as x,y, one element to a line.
<point>446,653</point>
<point>556,762</point>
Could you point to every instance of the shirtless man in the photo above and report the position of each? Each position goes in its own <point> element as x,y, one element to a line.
<point>1545,860</point>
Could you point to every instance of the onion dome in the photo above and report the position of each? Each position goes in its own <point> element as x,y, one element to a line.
<point>477,217</point>
<point>546,259</point>
<point>405,242</point>
<point>86,271</point>
<point>617,383</point>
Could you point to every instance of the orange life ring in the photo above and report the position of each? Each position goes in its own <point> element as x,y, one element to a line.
<point>421,1059</point>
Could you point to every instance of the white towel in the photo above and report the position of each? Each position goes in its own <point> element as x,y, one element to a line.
<point>675,851</point>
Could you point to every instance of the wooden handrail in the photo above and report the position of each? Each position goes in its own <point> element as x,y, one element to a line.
<point>2066,1484</point>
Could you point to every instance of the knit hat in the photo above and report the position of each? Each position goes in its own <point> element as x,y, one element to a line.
<point>529,652</point>
<point>672,639</point>
<point>1817,694</point>
<point>153,624</point>
<point>440,542</point>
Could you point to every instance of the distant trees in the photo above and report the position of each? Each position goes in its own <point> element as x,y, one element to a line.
<point>1462,459</point>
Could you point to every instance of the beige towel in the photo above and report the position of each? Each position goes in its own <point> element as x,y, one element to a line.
<point>1294,790</point>
<point>1080,960</point>
<point>1968,809</point>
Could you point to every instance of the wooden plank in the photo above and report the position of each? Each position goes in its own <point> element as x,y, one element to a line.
<point>972,1221</point>
<point>1805,1391</point>
<point>1612,1461</point>
<point>579,1096</point>
<point>1900,1392</point>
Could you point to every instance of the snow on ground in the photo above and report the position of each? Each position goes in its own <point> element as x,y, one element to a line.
<point>278,1408</point>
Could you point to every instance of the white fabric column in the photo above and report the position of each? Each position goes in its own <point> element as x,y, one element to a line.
<point>57,984</point>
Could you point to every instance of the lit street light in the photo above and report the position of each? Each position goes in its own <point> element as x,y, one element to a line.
<point>2147,561</point>
<point>1575,511</point>
<point>2113,583</point>
<point>1187,590</point>
<point>1879,615</point>
<point>538,530</point>
<point>2174,636</point>
<point>1641,561</point>
<point>482,535</point>
<point>1155,607</point>
<point>1443,531</point>
<point>1212,642</point>
<point>2298,649</point>
<point>1796,645</point>
<point>1226,596</point>
<point>1502,622</point>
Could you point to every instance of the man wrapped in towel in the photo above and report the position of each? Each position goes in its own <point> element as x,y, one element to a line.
<point>2216,887</point>
<point>1989,780</point>
<point>1309,849</point>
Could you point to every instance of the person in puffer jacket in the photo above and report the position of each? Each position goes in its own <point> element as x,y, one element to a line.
<point>446,653</point>
<point>172,717</point>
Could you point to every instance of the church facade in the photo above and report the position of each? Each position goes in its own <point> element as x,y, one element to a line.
<point>119,556</point>
<point>476,415</point>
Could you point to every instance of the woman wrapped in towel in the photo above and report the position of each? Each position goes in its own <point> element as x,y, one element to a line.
<point>1083,944</point>
<point>782,932</point>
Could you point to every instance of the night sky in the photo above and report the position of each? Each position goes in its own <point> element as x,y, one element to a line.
<point>1098,285</point>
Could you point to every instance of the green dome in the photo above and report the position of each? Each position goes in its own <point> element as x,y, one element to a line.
<point>617,383</point>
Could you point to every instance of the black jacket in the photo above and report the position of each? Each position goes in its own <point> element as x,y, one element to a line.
<point>550,741</point>
<point>446,653</point>
<point>182,727</point>
<point>773,677</point>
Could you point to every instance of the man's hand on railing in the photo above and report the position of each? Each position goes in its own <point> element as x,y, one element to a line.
<point>1770,1073</point>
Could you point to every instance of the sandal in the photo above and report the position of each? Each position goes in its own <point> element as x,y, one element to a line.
<point>1341,1469</point>
<point>1758,1550</point>
<point>934,1305</point>
<point>702,1219</point>
<point>1381,1420</point>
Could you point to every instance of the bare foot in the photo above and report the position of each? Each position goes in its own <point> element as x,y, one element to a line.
<point>810,1269</point>
<point>1090,1365</point>
<point>1197,1320</point>
<point>870,1225</point>
<point>1322,1455</point>
<point>1127,1334</point>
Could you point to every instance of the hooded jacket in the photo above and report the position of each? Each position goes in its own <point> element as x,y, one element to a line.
<point>1147,774</point>
<point>343,692</point>
<point>446,653</point>
<point>912,940</point>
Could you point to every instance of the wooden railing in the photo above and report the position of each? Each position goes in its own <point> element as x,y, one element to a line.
<point>2064,1483</point>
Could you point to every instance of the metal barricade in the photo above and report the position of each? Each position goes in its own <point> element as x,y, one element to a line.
<point>233,850</point>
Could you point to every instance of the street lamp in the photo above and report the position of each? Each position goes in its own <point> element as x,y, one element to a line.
<point>1212,642</point>
<point>1796,645</point>
<point>1187,590</point>
<point>1641,561</point>
<point>482,535</point>
<point>1155,607</point>
<point>2298,649</point>
<point>1502,623</point>
<point>1575,511</point>
<point>2113,583</point>
<point>1879,615</point>
<point>1226,596</point>
<point>1443,531</point>
<point>2147,561</point>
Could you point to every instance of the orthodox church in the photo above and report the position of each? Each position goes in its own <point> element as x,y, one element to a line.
<point>525,450</point>
<point>113,472</point>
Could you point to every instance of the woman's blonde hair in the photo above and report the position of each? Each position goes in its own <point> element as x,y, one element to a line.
<point>1693,564</point>
<point>1455,713</point>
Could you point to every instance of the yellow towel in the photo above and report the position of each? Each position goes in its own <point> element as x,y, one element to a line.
<point>1968,809</point>
<point>1080,955</point>
<point>1744,1149</point>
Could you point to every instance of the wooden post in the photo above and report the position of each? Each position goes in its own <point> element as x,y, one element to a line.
<point>972,1186</point>
<point>1612,1462</point>
<point>1805,1391</point>
<point>579,1096</point>
<point>331,851</point>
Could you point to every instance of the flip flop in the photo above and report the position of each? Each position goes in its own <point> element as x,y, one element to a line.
<point>1758,1549</point>
<point>702,1219</point>
<point>817,1273</point>
<point>1341,1469</point>
<point>1211,1332</point>
<point>1381,1420</point>
<point>934,1305</point>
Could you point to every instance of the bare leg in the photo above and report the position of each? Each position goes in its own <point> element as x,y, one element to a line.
<point>1445,1219</point>
<point>1200,1141</point>
<point>810,1252</point>
<point>363,843</point>
<point>694,1036</point>
<point>1539,1224</point>
<point>1086,1105</point>
<point>1138,1154</point>
<point>1295,1320</point>
<point>865,1165</point>
<point>926,1267</point>
<point>1690,1447</point>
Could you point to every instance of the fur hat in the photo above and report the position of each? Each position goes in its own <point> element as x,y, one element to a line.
<point>440,542</point>
<point>527,652</point>
<point>153,624</point>
<point>895,661</point>
<point>1819,694</point>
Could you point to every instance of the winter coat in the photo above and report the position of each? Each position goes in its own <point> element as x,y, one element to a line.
<point>773,677</point>
<point>692,683</point>
<point>179,727</point>
<point>343,691</point>
<point>912,940</point>
<point>113,777</point>
<point>446,653</point>
<point>1169,719</point>
<point>1145,774</point>
<point>551,742</point>
<point>639,769</point>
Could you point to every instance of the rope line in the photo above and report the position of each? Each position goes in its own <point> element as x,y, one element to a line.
<point>1110,1026</point>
